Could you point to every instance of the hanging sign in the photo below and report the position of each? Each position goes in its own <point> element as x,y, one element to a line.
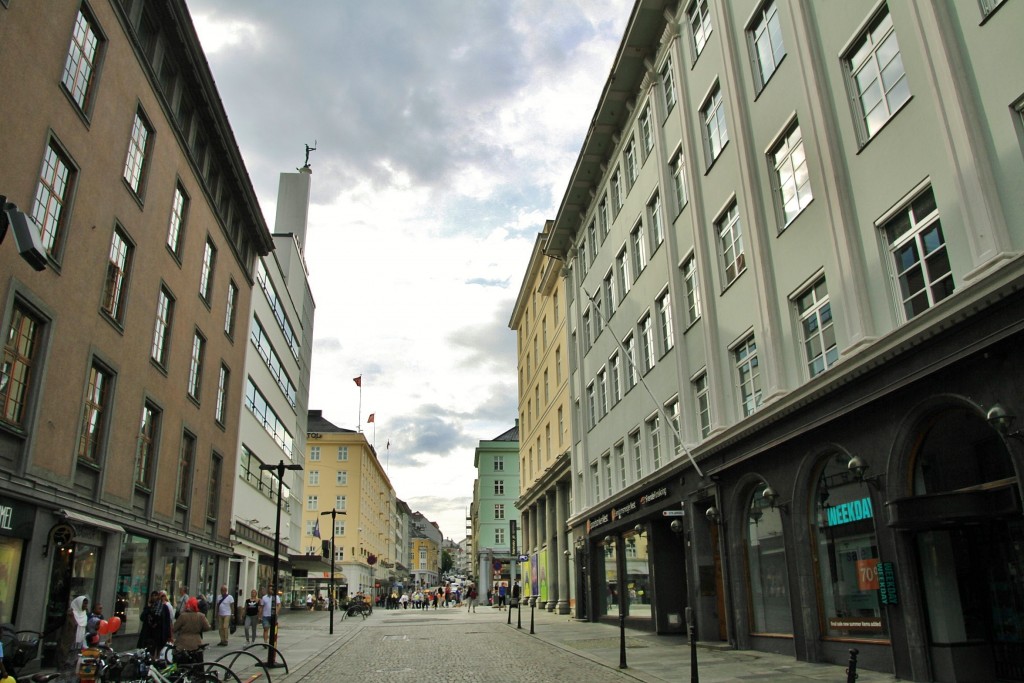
<point>887,583</point>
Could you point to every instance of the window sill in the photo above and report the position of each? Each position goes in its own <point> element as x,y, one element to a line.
<point>113,322</point>
<point>731,282</point>
<point>134,195</point>
<point>878,133</point>
<point>711,164</point>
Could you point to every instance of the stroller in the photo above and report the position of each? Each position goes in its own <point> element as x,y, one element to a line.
<point>20,647</point>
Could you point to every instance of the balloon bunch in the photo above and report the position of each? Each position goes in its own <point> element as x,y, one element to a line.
<point>108,626</point>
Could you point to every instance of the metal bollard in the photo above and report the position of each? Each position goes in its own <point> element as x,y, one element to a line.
<point>692,633</point>
<point>851,668</point>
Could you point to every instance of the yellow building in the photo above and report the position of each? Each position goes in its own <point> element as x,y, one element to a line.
<point>426,561</point>
<point>545,434</point>
<point>343,473</point>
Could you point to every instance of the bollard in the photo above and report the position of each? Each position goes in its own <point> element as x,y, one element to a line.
<point>533,604</point>
<point>692,634</point>
<point>519,614</point>
<point>851,668</point>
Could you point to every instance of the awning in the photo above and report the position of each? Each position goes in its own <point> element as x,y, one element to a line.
<point>89,520</point>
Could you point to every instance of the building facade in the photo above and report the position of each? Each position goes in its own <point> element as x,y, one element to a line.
<point>494,511</point>
<point>273,419</point>
<point>794,284</point>
<point>343,474</point>
<point>122,373</point>
<point>545,475</point>
<point>425,541</point>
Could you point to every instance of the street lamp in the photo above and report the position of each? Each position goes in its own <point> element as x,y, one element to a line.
<point>330,604</point>
<point>278,469</point>
<point>26,234</point>
<point>612,542</point>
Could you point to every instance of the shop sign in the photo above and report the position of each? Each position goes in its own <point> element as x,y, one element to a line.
<point>855,623</point>
<point>599,521</point>
<point>887,583</point>
<point>867,574</point>
<point>627,508</point>
<point>15,519</point>
<point>314,435</point>
<point>853,511</point>
<point>176,549</point>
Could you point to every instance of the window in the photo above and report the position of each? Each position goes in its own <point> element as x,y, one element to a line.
<point>186,457</point>
<point>119,266</point>
<point>629,157</point>
<point>586,330</point>
<point>206,276</point>
<point>766,566</point>
<point>314,454</point>
<point>558,366</point>
<point>21,349</point>
<point>715,132</point>
<point>990,6</point>
<point>547,388</point>
<point>499,487</point>
<point>149,440</point>
<point>314,477</point>
<point>312,503</point>
<point>702,401</point>
<point>176,227</point>
<point>592,404</point>
<point>794,183</point>
<point>499,463</point>
<point>639,255</point>
<point>602,225</point>
<point>222,395</point>
<point>581,257</point>
<point>554,307</point>
<point>561,427</point>
<point>748,376</point>
<point>665,322</point>
<point>700,25</point>
<point>83,55</point>
<point>920,265</point>
<point>692,287</point>
<point>668,84</point>
<point>195,369</point>
<point>672,410</point>
<point>602,393</point>
<point>138,150</point>
<point>339,530</point>
<point>637,452</point>
<point>655,229</point>
<point>877,76</point>
<point>622,274</point>
<point>819,337</point>
<point>342,453</point>
<point>257,404</point>
<point>730,242</point>
<point>595,481</point>
<point>261,341</point>
<point>679,180</point>
<point>654,440</point>
<point>608,293</point>
<point>341,478</point>
<point>616,185</point>
<point>499,536</point>
<point>95,414</point>
<point>606,466</point>
<point>544,331</point>
<point>162,329</point>
<point>213,489</point>
<point>615,375</point>
<point>631,378</point>
<point>620,460</point>
<point>766,48</point>
<point>591,241</point>
<point>646,133</point>
<point>231,310</point>
<point>646,344</point>
<point>499,511</point>
<point>340,503</point>
<point>56,180</point>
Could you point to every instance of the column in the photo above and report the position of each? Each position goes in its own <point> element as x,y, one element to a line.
<point>535,535</point>
<point>552,563</point>
<point>562,546</point>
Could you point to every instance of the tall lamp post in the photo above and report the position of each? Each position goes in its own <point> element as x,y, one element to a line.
<point>612,542</point>
<point>330,604</point>
<point>275,603</point>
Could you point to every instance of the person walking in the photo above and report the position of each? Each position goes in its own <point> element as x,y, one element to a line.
<point>501,596</point>
<point>517,591</point>
<point>188,634</point>
<point>252,616</point>
<point>183,597</point>
<point>225,608</point>
<point>72,637</point>
<point>155,629</point>
<point>270,605</point>
<point>471,599</point>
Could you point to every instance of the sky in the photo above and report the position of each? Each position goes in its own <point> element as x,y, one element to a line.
<point>445,134</point>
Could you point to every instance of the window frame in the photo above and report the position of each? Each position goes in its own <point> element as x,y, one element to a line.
<point>699,24</point>
<point>716,138</point>
<point>760,26</point>
<point>668,85</point>
<point>729,228</point>
<point>97,404</point>
<point>83,99</point>
<point>114,300</point>
<point>818,304</point>
<point>53,223</point>
<point>197,359</point>
<point>789,143</point>
<point>22,359</point>
<point>691,287</point>
<point>746,364</point>
<point>139,155</point>
<point>178,221</point>
<point>148,447</point>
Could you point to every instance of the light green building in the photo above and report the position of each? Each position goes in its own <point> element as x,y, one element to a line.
<point>493,509</point>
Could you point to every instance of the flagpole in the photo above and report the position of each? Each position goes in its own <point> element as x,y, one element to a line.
<point>359,418</point>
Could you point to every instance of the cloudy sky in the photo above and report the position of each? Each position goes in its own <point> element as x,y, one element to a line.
<point>446,132</point>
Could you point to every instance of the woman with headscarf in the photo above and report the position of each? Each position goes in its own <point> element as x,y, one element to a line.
<point>72,636</point>
<point>188,633</point>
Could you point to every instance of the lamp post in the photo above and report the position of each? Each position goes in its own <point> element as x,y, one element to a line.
<point>275,603</point>
<point>612,541</point>
<point>330,604</point>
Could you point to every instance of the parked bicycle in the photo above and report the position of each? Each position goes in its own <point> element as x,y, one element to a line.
<point>21,647</point>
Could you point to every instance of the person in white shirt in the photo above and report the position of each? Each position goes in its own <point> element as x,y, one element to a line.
<point>270,604</point>
<point>225,610</point>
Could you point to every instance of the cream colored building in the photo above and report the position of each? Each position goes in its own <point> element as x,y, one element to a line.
<point>545,435</point>
<point>343,473</point>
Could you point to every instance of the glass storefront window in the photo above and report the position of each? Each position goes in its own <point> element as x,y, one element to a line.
<point>766,568</point>
<point>132,580</point>
<point>847,554</point>
<point>611,578</point>
<point>10,566</point>
<point>638,575</point>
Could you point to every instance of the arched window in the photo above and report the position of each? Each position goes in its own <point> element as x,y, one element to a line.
<point>847,556</point>
<point>766,567</point>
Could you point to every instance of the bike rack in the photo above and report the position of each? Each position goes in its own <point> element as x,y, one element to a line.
<point>235,654</point>
<point>278,655</point>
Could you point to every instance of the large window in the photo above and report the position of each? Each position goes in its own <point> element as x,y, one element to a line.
<point>220,413</point>
<point>678,165</point>
<point>748,376</point>
<point>257,404</point>
<point>499,487</point>
<point>766,47</point>
<point>119,267</point>
<point>53,193</point>
<point>646,133</point>
<point>669,86</point>
<point>848,554</point>
<point>195,369</point>
<point>622,276</point>
<point>730,244</point>
<point>206,275</point>
<point>162,327</point>
<point>819,337</point>
<point>149,439</point>
<point>920,263</point>
<point>636,453</point>
<point>20,354</point>
<point>876,75</point>
<point>791,177</point>
<point>186,460</point>
<point>646,344</point>
<point>638,576</point>
<point>654,440</point>
<point>715,131</point>
<point>666,337</point>
<point>95,414</point>
<point>261,340</point>
<point>629,158</point>
<point>702,402</point>
<point>631,370</point>
<point>83,55</point>
<point>639,253</point>
<point>700,25</point>
<point>766,567</point>
<point>138,153</point>
<point>691,285</point>
<point>176,225</point>
<point>655,228</point>
<point>499,511</point>
<point>231,309</point>
<point>499,463</point>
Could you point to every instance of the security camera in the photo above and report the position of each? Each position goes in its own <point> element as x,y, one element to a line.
<point>26,234</point>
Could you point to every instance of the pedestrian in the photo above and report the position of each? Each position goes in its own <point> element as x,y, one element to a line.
<point>309,601</point>
<point>169,605</point>
<point>225,608</point>
<point>154,630</point>
<point>72,637</point>
<point>471,599</point>
<point>516,592</point>
<point>270,606</point>
<point>183,597</point>
<point>501,596</point>
<point>252,615</point>
<point>404,601</point>
<point>188,634</point>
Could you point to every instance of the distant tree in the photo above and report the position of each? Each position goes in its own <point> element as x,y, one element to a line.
<point>446,561</point>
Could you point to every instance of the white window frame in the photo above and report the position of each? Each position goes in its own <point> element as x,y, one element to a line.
<point>140,144</point>
<point>691,285</point>
<point>668,83</point>
<point>698,17</point>
<point>655,226</point>
<point>813,309</point>
<point>861,63</point>
<point>714,128</point>
<point>702,403</point>
<point>664,307</point>
<point>678,165</point>
<point>790,175</point>
<point>748,375</point>
<point>645,328</point>
<point>729,232</point>
<point>764,40</point>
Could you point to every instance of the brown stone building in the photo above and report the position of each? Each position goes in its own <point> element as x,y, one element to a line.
<point>122,369</point>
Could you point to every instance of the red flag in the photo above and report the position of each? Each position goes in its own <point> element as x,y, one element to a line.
<point>370,419</point>
<point>358,380</point>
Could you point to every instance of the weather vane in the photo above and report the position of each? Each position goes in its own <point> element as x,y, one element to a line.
<point>308,150</point>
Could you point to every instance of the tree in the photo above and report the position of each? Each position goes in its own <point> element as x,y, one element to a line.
<point>446,561</point>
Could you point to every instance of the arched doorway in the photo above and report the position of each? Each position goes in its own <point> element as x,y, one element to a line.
<point>767,575</point>
<point>965,513</point>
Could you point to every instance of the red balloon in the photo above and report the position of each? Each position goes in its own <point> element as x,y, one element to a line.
<point>104,627</point>
<point>115,624</point>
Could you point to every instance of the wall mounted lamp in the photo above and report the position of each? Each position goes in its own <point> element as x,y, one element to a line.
<point>1002,421</point>
<point>676,526</point>
<point>713,514</point>
<point>771,496</point>
<point>639,529</point>
<point>858,467</point>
